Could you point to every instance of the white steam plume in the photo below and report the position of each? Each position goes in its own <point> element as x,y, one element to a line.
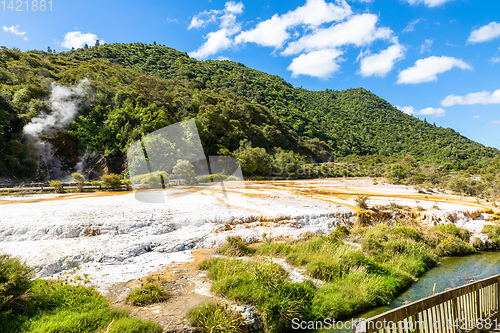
<point>64,104</point>
<point>81,166</point>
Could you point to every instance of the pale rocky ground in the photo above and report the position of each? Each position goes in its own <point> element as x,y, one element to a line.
<point>110,240</point>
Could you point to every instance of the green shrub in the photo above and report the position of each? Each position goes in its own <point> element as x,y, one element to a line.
<point>14,282</point>
<point>79,179</point>
<point>96,183</point>
<point>184,170</point>
<point>57,185</point>
<point>215,317</point>
<point>453,246</point>
<point>478,244</point>
<point>151,291</point>
<point>152,180</point>
<point>217,177</point>
<point>235,246</point>
<point>112,181</point>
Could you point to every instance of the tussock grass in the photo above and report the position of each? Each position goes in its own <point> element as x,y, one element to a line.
<point>362,201</point>
<point>450,240</point>
<point>401,247</point>
<point>14,282</point>
<point>356,292</point>
<point>151,291</point>
<point>216,317</point>
<point>235,246</point>
<point>265,285</point>
<point>493,233</point>
<point>388,260</point>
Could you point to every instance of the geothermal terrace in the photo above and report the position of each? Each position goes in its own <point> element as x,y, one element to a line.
<point>107,238</point>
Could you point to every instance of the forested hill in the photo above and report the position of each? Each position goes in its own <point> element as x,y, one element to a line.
<point>134,89</point>
<point>353,121</point>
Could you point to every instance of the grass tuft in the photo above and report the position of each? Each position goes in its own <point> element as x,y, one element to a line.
<point>151,291</point>
<point>215,317</point>
<point>236,247</point>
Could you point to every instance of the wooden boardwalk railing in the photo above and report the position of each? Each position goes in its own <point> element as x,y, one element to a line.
<point>470,307</point>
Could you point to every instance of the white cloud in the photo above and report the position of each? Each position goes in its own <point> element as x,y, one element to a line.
<point>485,33</point>
<point>274,31</point>
<point>426,70</point>
<point>216,41</point>
<point>200,20</point>
<point>359,30</point>
<point>15,30</point>
<point>428,3</point>
<point>476,117</point>
<point>321,64</point>
<point>77,39</point>
<point>221,39</point>
<point>303,32</point>
<point>233,7</point>
<point>434,112</point>
<point>411,26</point>
<point>494,122</point>
<point>495,60</point>
<point>426,46</point>
<point>382,63</point>
<point>484,97</point>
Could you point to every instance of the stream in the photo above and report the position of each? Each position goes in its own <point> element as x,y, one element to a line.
<point>450,273</point>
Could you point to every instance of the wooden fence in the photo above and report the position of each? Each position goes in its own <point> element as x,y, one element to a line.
<point>467,308</point>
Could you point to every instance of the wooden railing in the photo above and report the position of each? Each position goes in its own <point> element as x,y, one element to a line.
<point>470,307</point>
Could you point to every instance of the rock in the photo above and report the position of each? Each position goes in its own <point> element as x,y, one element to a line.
<point>251,316</point>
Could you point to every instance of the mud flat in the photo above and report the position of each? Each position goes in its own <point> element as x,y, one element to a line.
<point>109,238</point>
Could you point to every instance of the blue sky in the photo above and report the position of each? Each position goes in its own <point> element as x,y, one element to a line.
<point>435,59</point>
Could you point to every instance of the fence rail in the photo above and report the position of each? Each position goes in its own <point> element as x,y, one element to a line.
<point>462,309</point>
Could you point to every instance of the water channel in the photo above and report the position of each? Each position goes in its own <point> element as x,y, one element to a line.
<point>450,273</point>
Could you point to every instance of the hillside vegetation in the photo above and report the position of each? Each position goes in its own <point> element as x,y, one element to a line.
<point>353,121</point>
<point>258,118</point>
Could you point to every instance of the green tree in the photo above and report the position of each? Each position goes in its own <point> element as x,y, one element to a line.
<point>253,161</point>
<point>184,170</point>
